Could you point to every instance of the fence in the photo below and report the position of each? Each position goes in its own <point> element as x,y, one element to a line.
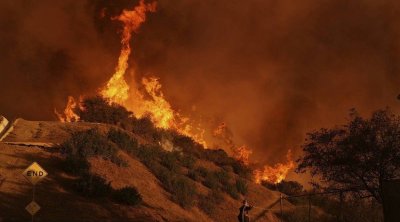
<point>309,205</point>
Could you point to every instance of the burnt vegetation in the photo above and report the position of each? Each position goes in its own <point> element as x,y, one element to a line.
<point>177,170</point>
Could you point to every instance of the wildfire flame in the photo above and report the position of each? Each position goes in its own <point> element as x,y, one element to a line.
<point>222,132</point>
<point>117,88</point>
<point>118,91</point>
<point>276,173</point>
<point>161,112</point>
<point>243,154</point>
<point>69,114</point>
<point>151,100</point>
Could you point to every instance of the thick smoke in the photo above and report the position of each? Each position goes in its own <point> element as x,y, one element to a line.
<point>272,70</point>
<point>49,50</point>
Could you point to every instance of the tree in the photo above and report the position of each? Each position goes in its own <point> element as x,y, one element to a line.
<point>358,156</point>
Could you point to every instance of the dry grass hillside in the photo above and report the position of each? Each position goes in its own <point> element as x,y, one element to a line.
<point>38,141</point>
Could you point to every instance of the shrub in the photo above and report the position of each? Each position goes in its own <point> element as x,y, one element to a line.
<point>149,153</point>
<point>123,140</point>
<point>184,191</point>
<point>206,205</point>
<point>97,109</point>
<point>90,185</point>
<point>163,174</point>
<point>222,177</point>
<point>188,145</point>
<point>84,144</point>
<point>188,161</point>
<point>76,166</point>
<point>209,203</point>
<point>290,187</point>
<point>242,170</point>
<point>269,185</point>
<point>88,143</point>
<point>145,127</point>
<point>286,187</point>
<point>170,161</point>
<point>232,191</point>
<point>219,157</point>
<point>128,196</point>
<point>241,186</point>
<point>211,181</point>
<point>202,171</point>
<point>194,175</point>
<point>228,168</point>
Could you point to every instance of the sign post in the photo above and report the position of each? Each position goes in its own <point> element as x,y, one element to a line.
<point>34,173</point>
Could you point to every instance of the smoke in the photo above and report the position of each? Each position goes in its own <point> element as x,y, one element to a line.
<point>272,70</point>
<point>49,50</point>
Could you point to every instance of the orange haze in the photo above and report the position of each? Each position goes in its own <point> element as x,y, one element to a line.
<point>271,71</point>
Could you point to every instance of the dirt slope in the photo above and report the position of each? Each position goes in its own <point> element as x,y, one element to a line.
<point>58,201</point>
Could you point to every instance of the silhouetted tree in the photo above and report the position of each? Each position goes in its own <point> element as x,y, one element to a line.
<point>357,156</point>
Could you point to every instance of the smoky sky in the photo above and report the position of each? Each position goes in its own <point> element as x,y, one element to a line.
<point>272,70</point>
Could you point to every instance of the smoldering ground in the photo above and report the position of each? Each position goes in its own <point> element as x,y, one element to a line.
<point>272,70</point>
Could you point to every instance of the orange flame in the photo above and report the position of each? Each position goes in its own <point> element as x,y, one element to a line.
<point>152,101</point>
<point>243,154</point>
<point>222,132</point>
<point>117,88</point>
<point>118,91</point>
<point>69,114</point>
<point>161,112</point>
<point>276,173</point>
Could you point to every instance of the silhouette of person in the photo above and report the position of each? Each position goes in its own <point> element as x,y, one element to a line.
<point>244,212</point>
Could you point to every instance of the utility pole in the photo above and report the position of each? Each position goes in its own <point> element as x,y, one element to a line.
<point>280,203</point>
<point>309,207</point>
<point>341,206</point>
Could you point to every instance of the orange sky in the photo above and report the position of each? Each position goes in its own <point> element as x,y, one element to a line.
<point>271,70</point>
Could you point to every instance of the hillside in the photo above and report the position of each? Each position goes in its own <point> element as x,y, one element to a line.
<point>30,141</point>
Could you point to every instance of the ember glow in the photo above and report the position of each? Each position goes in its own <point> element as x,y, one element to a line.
<point>275,174</point>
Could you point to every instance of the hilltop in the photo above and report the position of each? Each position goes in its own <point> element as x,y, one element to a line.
<point>42,141</point>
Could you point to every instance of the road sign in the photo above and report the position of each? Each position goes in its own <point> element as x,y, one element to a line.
<point>32,208</point>
<point>34,173</point>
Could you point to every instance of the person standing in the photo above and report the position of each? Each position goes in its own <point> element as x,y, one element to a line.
<point>244,212</point>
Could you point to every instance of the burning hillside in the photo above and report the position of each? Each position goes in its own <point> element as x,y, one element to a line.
<point>151,101</point>
<point>211,101</point>
<point>270,70</point>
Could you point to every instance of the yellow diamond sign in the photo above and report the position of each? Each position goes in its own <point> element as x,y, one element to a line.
<point>34,173</point>
<point>32,208</point>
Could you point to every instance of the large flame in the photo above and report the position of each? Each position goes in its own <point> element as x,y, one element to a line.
<point>151,100</point>
<point>69,114</point>
<point>118,91</point>
<point>276,173</point>
<point>117,88</point>
<point>161,112</point>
